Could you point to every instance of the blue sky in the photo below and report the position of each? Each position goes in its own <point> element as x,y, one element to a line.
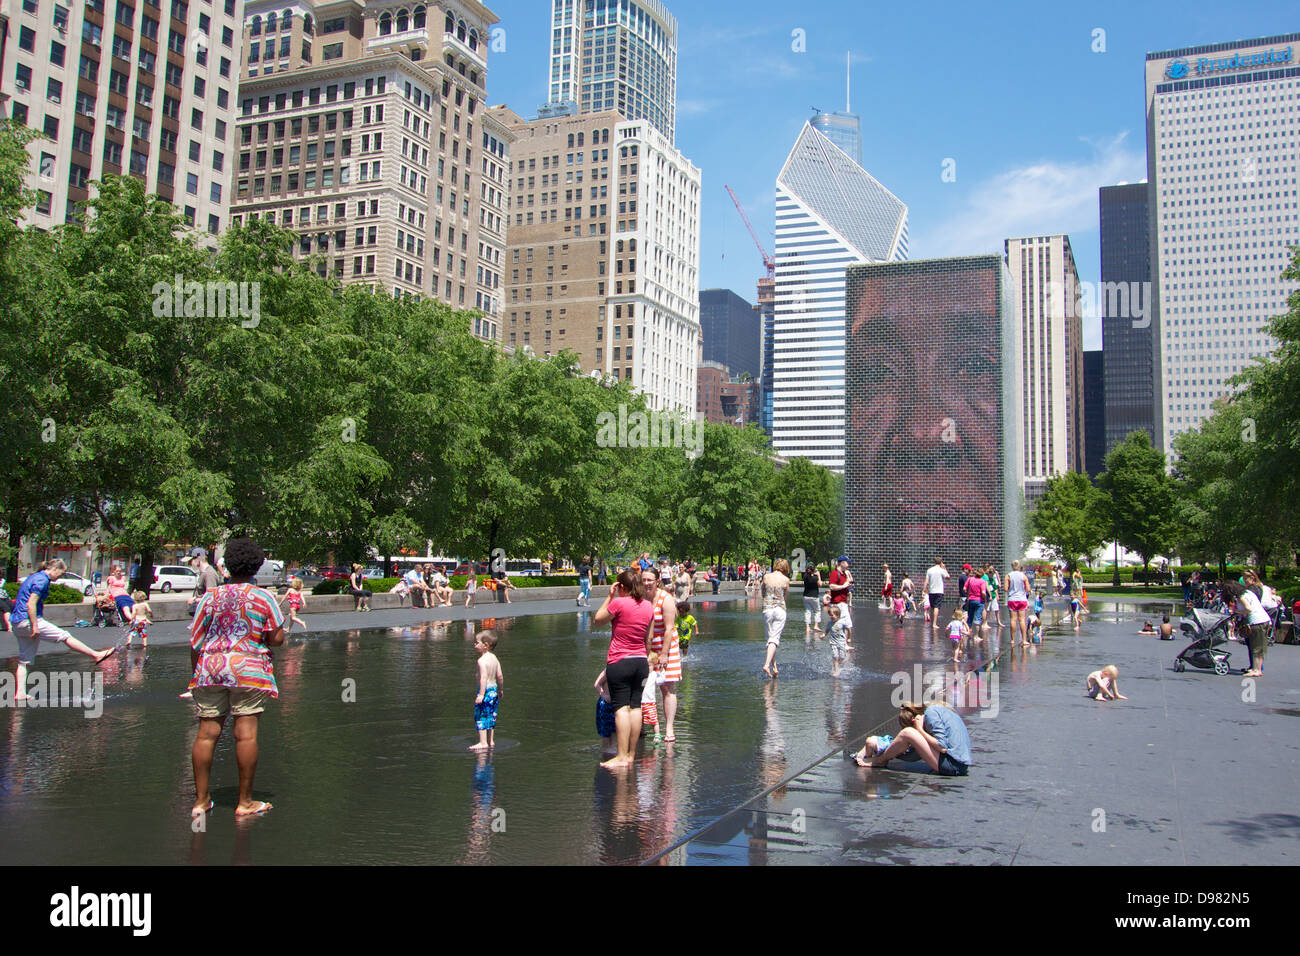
<point>1012,92</point>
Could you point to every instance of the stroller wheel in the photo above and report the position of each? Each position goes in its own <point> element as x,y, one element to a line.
<point>1220,667</point>
<point>1179,666</point>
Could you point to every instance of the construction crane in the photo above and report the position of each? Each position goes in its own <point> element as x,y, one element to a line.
<point>768,261</point>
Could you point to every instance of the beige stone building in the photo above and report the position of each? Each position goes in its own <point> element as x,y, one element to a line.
<point>362,127</point>
<point>1049,319</point>
<point>604,250</point>
<point>139,87</point>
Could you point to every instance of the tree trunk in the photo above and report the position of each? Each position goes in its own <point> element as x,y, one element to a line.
<point>1146,571</point>
<point>144,579</point>
<point>15,542</point>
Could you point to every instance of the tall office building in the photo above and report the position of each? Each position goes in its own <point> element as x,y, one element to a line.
<point>138,87</point>
<point>932,456</point>
<point>830,214</point>
<point>767,316</point>
<point>844,129</point>
<point>363,128</point>
<point>1094,412</point>
<point>614,55</point>
<point>1126,303</point>
<point>732,332</point>
<point>1049,316</point>
<point>1223,146</point>
<point>604,250</point>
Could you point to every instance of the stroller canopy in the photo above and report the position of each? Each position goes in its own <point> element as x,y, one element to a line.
<point>1207,621</point>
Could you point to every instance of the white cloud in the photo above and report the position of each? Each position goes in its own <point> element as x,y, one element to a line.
<point>1042,199</point>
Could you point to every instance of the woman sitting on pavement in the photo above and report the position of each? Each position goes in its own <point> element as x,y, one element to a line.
<point>934,733</point>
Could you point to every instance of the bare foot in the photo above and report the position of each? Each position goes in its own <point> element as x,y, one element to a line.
<point>200,809</point>
<point>766,671</point>
<point>252,809</point>
<point>23,697</point>
<point>616,763</point>
<point>187,695</point>
<point>479,747</point>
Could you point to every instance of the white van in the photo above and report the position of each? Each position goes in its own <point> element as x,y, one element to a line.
<point>270,574</point>
<point>174,577</point>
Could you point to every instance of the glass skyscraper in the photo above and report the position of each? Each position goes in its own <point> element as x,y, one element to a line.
<point>842,129</point>
<point>1125,301</point>
<point>1223,147</point>
<point>614,55</point>
<point>830,214</point>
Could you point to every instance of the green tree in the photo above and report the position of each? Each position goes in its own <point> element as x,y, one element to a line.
<point>1143,506</point>
<point>1070,518</point>
<point>722,508</point>
<point>807,509</point>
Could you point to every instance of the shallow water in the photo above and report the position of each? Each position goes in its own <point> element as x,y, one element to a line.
<point>386,778</point>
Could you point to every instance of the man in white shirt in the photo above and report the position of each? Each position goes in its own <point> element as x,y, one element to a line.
<point>936,580</point>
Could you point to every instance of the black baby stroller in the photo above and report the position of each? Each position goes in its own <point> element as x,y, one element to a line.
<point>1207,630</point>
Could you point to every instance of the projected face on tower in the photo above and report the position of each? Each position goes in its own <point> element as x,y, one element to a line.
<point>924,412</point>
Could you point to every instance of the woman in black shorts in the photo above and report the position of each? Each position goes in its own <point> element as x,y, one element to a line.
<point>627,664</point>
<point>361,595</point>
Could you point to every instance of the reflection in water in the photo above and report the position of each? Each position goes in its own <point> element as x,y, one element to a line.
<point>483,822</point>
<point>357,778</point>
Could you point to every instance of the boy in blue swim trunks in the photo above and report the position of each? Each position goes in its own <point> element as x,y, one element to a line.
<point>605,726</point>
<point>490,683</point>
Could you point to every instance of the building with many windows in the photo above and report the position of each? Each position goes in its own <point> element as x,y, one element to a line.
<point>618,55</point>
<point>830,214</point>
<point>731,331</point>
<point>144,88</point>
<point>363,127</point>
<point>1126,302</point>
<point>1223,147</point>
<point>1094,412</point>
<point>604,248</point>
<point>842,128</point>
<point>725,397</point>
<point>1046,293</point>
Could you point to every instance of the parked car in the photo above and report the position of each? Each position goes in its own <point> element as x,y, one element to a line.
<point>270,574</point>
<point>335,573</point>
<point>174,577</point>
<point>71,580</point>
<point>372,574</point>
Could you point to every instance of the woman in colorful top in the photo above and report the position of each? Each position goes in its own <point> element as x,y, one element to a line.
<point>234,628</point>
<point>664,642</point>
<point>117,590</point>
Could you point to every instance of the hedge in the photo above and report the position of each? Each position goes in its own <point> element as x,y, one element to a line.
<point>384,585</point>
<point>59,593</point>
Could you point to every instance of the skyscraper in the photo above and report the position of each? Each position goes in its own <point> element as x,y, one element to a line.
<point>364,129</point>
<point>767,315</point>
<point>1223,147</point>
<point>1045,283</point>
<point>932,454</point>
<point>830,214</point>
<point>844,129</point>
<point>1126,304</point>
<point>145,88</point>
<point>604,250</point>
<point>618,55</point>
<point>732,333</point>
<point>1094,413</point>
